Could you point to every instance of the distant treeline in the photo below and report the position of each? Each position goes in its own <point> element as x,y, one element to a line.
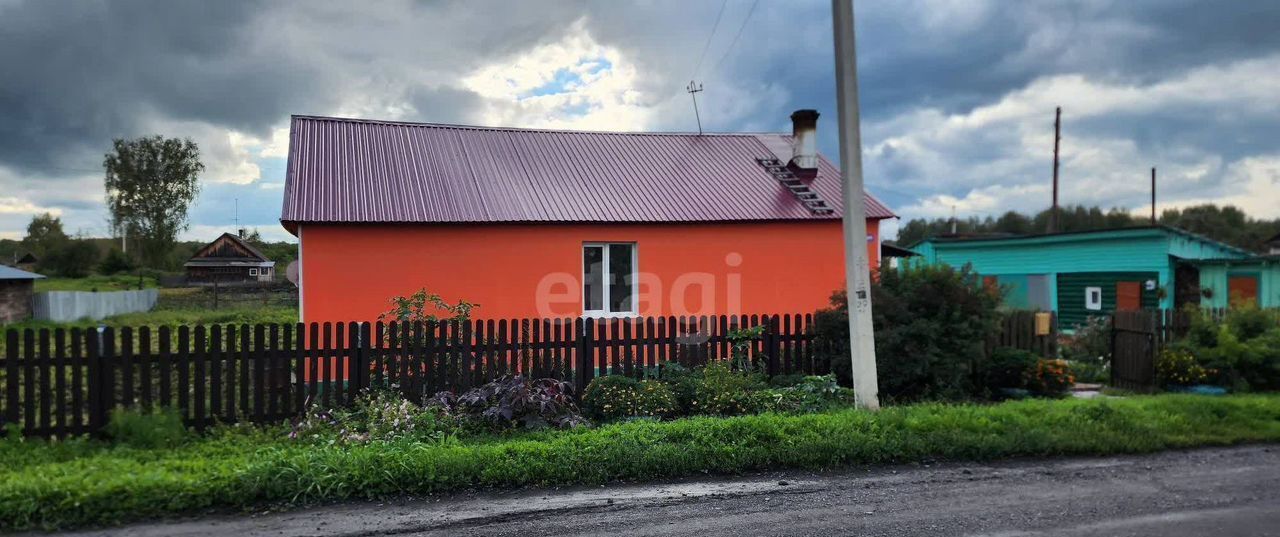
<point>1226,223</point>
<point>58,254</point>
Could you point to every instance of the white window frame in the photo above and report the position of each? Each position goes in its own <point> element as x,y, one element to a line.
<point>604,264</point>
<point>1089,304</point>
<point>253,271</point>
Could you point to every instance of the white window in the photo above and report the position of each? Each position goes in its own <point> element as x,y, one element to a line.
<point>253,272</point>
<point>1093,298</point>
<point>609,279</point>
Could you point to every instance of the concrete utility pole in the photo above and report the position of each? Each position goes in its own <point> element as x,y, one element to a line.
<point>862,345</point>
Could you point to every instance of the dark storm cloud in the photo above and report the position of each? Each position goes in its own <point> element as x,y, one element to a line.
<point>77,74</point>
<point>73,75</point>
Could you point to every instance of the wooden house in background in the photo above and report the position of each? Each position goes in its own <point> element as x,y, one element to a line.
<point>229,259</point>
<point>1081,274</point>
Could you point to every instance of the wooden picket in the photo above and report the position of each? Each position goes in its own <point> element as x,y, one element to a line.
<point>66,382</point>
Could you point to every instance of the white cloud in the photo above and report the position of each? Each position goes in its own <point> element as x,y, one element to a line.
<point>1252,184</point>
<point>12,205</point>
<point>572,83</point>
<point>203,232</point>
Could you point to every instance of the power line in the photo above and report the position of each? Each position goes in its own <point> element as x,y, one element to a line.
<point>707,46</point>
<point>739,34</point>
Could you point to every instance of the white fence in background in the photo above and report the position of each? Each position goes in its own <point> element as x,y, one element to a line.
<point>63,306</point>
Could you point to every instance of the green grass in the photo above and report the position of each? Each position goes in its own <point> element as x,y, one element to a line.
<point>60,485</point>
<point>175,318</point>
<point>118,282</point>
<point>171,318</point>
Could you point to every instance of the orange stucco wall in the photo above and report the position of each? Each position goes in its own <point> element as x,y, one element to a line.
<point>350,272</point>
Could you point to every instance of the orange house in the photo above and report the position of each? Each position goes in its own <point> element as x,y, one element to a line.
<point>542,223</point>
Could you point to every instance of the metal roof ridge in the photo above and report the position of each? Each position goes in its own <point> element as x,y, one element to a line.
<point>402,123</point>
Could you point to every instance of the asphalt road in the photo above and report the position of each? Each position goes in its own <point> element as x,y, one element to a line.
<point>1221,492</point>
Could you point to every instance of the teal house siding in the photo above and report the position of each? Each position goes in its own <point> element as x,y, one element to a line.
<point>1214,275</point>
<point>1050,270</point>
<point>1071,293</point>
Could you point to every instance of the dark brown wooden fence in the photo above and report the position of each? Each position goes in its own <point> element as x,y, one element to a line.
<point>1018,330</point>
<point>60,382</point>
<point>65,382</point>
<point>1172,324</point>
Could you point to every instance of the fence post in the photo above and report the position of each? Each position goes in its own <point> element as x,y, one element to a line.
<point>357,338</point>
<point>11,378</point>
<point>585,332</point>
<point>99,379</point>
<point>773,342</point>
<point>1112,347</point>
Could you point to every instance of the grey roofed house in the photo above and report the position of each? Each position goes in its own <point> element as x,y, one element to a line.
<point>1273,244</point>
<point>11,273</point>
<point>229,259</point>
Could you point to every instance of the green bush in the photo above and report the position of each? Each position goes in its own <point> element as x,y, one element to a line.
<point>1178,367</point>
<point>721,391</point>
<point>1008,368</point>
<point>655,399</point>
<point>115,262</point>
<point>809,394</point>
<point>787,380</point>
<point>159,428</point>
<point>931,324</point>
<point>1242,352</point>
<point>71,259</point>
<point>683,383</point>
<point>610,397</point>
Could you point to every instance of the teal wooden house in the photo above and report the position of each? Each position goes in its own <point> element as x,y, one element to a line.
<point>1081,274</point>
<point>1227,282</point>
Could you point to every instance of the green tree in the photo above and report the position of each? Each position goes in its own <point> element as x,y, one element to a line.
<point>44,235</point>
<point>72,259</point>
<point>150,184</point>
<point>115,262</point>
<point>1225,223</point>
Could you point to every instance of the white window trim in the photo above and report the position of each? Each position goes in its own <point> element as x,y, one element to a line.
<point>604,263</point>
<point>253,272</point>
<point>1088,295</point>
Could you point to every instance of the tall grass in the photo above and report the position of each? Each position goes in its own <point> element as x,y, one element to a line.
<point>96,282</point>
<point>59,485</point>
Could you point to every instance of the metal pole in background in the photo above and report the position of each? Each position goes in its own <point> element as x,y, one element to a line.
<point>1153,195</point>
<point>857,267</point>
<point>1057,137</point>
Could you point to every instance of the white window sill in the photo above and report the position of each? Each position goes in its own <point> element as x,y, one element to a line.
<point>610,315</point>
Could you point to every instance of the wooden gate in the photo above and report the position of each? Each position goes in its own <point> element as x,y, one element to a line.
<point>1133,350</point>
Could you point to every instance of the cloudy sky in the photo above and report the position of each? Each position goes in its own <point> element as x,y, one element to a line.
<point>958,97</point>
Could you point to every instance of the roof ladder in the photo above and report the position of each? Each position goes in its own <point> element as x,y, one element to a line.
<point>807,196</point>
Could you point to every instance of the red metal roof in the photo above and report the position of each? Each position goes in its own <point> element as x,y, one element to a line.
<point>348,170</point>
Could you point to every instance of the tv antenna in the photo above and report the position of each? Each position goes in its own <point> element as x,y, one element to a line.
<point>693,90</point>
